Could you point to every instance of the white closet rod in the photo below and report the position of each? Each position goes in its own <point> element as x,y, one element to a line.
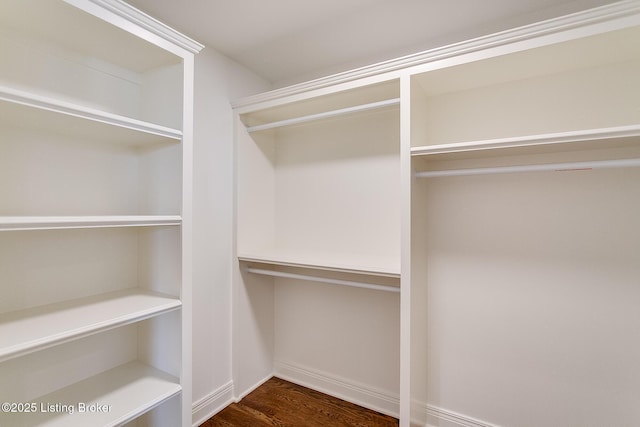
<point>597,164</point>
<point>322,280</point>
<point>324,115</point>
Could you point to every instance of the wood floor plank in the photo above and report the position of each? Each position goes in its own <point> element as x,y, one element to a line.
<point>284,404</point>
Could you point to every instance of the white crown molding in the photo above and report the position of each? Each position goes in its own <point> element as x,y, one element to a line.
<point>136,16</point>
<point>621,9</point>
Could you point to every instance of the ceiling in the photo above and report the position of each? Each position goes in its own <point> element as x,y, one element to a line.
<point>287,41</point>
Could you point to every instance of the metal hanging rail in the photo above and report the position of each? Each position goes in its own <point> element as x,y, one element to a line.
<point>324,115</point>
<point>322,279</point>
<point>574,166</point>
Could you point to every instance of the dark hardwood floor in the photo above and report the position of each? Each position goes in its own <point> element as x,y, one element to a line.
<point>284,404</point>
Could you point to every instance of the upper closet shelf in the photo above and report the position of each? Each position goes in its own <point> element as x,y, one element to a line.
<point>325,115</point>
<point>611,133</point>
<point>21,223</point>
<point>33,329</point>
<point>26,108</point>
<point>129,390</point>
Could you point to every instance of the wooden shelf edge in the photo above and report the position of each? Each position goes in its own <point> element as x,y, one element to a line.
<point>529,140</point>
<point>39,102</point>
<point>82,326</point>
<point>25,223</point>
<point>341,268</point>
<point>129,390</point>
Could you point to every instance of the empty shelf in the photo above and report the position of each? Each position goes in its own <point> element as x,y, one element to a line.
<point>31,109</point>
<point>32,329</point>
<point>122,393</point>
<point>612,133</point>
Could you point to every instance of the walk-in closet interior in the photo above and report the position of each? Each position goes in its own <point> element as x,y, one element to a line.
<point>451,237</point>
<point>448,230</point>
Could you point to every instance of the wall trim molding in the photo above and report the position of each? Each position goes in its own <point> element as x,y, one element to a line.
<point>343,388</point>
<point>211,404</point>
<point>360,394</point>
<point>447,418</point>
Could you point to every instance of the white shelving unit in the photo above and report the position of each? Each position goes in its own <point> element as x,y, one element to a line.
<point>310,226</point>
<point>532,151</point>
<point>96,106</point>
<point>512,168</point>
<point>307,161</point>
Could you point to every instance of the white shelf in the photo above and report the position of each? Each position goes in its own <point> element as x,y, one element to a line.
<point>22,223</point>
<point>130,390</point>
<point>33,329</point>
<point>337,263</point>
<point>22,107</point>
<point>612,133</point>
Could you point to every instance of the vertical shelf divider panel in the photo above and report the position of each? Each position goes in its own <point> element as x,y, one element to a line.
<point>96,114</point>
<point>406,292</point>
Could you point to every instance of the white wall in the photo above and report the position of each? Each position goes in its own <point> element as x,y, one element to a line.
<point>532,299</point>
<point>217,81</point>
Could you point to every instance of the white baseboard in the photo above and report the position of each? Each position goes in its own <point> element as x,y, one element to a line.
<point>419,414</point>
<point>342,388</point>
<point>219,399</point>
<point>241,395</point>
<point>439,417</point>
<point>211,404</point>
